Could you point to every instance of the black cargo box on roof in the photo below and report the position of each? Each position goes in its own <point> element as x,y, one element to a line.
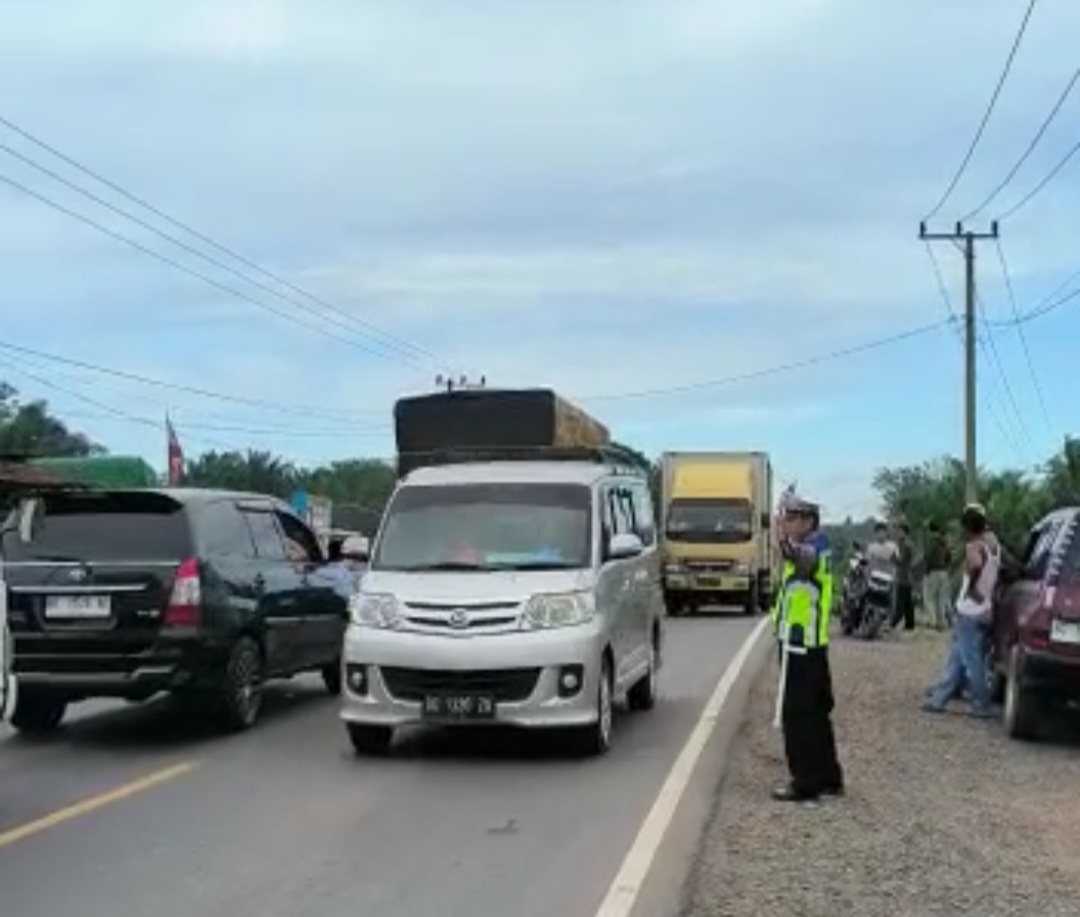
<point>490,423</point>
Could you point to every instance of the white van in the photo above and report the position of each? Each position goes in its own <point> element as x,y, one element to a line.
<point>524,593</point>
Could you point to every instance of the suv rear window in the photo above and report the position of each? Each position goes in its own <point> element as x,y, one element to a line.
<point>108,526</point>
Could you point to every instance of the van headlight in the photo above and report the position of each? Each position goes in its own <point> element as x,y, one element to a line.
<point>371,609</point>
<point>558,609</point>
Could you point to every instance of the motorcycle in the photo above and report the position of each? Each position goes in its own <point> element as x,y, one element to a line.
<point>868,598</point>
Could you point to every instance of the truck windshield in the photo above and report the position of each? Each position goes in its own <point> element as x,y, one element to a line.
<point>719,521</point>
<point>496,526</point>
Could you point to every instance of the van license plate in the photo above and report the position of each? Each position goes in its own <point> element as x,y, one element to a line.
<point>459,707</point>
<point>77,607</point>
<point>1065,632</point>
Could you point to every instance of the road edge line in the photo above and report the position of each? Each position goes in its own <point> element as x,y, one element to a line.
<point>625,888</point>
<point>93,803</point>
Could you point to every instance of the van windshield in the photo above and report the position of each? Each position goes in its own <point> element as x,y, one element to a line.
<point>715,521</point>
<point>492,526</point>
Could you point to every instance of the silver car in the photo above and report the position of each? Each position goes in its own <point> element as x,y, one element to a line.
<point>518,593</point>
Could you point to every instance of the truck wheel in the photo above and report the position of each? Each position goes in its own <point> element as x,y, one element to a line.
<point>753,601</point>
<point>675,605</point>
<point>38,714</point>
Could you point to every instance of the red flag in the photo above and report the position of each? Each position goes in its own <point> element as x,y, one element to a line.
<point>176,456</point>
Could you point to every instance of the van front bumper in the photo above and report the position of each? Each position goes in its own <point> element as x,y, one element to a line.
<point>522,671</point>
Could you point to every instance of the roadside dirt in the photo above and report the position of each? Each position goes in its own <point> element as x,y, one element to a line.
<point>943,815</point>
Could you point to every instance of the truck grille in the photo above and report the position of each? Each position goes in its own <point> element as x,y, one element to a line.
<point>505,685</point>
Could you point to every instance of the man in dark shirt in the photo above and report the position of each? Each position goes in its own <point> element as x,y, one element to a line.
<point>905,560</point>
<point>937,583</point>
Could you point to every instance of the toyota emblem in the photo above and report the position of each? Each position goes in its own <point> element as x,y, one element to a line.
<point>459,618</point>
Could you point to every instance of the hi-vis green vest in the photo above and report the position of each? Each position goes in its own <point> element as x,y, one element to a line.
<point>806,601</point>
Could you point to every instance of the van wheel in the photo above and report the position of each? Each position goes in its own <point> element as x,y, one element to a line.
<point>240,693</point>
<point>642,696</point>
<point>1021,712</point>
<point>331,677</point>
<point>370,740</point>
<point>595,739</point>
<point>37,714</point>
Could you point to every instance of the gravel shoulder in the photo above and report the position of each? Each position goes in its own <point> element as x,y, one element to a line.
<point>943,816</point>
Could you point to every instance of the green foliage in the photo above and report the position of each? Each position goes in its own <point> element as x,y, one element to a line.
<point>27,428</point>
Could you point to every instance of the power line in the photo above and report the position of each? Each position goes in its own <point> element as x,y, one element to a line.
<point>772,370</point>
<point>191,249</point>
<point>1007,274</point>
<point>990,350</point>
<point>172,262</point>
<point>202,237</point>
<point>299,409</point>
<point>1049,177</point>
<point>986,115</point>
<point>954,321</point>
<point>1065,93</point>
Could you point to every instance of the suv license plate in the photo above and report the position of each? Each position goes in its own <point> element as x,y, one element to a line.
<point>77,607</point>
<point>459,707</point>
<point>1065,632</point>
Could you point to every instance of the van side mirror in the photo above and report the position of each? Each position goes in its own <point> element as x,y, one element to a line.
<point>624,545</point>
<point>766,522</point>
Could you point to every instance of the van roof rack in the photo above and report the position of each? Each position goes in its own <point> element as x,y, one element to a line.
<point>615,456</point>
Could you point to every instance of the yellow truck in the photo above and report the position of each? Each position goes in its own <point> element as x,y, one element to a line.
<point>716,509</point>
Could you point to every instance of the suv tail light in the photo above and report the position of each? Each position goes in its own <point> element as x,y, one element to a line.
<point>185,602</point>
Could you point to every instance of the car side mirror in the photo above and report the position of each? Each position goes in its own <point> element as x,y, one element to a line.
<point>624,545</point>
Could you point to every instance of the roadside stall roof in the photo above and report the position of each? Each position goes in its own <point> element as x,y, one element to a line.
<point>107,471</point>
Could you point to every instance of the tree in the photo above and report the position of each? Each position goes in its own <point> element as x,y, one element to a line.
<point>255,471</point>
<point>30,429</point>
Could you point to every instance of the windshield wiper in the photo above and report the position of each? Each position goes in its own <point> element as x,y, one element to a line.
<point>536,565</point>
<point>449,565</point>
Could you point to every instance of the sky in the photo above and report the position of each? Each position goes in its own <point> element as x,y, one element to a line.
<point>648,206</point>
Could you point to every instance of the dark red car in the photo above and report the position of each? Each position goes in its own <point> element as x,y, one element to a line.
<point>1035,652</point>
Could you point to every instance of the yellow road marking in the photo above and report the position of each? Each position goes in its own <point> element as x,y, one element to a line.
<point>92,803</point>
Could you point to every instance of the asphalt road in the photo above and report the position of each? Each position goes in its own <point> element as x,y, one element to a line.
<point>284,821</point>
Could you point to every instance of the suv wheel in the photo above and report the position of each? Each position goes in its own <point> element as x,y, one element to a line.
<point>331,676</point>
<point>642,696</point>
<point>38,714</point>
<point>240,694</point>
<point>370,740</point>
<point>1021,712</point>
<point>595,739</point>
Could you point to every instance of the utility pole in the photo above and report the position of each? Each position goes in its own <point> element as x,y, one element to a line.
<point>965,240</point>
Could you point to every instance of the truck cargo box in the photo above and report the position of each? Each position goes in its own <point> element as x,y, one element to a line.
<point>478,421</point>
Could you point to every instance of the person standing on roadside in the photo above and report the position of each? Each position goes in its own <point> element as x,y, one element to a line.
<point>966,665</point>
<point>905,588</point>
<point>801,621</point>
<point>937,586</point>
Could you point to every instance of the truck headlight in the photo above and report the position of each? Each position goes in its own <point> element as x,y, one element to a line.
<point>558,609</point>
<point>673,569</point>
<point>742,568</point>
<point>370,609</point>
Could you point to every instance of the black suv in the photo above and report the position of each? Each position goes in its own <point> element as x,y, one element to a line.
<point>201,593</point>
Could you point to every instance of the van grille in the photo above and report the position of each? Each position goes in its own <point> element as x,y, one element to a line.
<point>505,685</point>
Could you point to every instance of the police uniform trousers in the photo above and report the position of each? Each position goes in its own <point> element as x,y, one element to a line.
<point>809,742</point>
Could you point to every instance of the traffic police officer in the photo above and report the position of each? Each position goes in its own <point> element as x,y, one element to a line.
<point>801,621</point>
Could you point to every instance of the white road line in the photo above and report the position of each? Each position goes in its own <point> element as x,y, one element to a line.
<point>624,890</point>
